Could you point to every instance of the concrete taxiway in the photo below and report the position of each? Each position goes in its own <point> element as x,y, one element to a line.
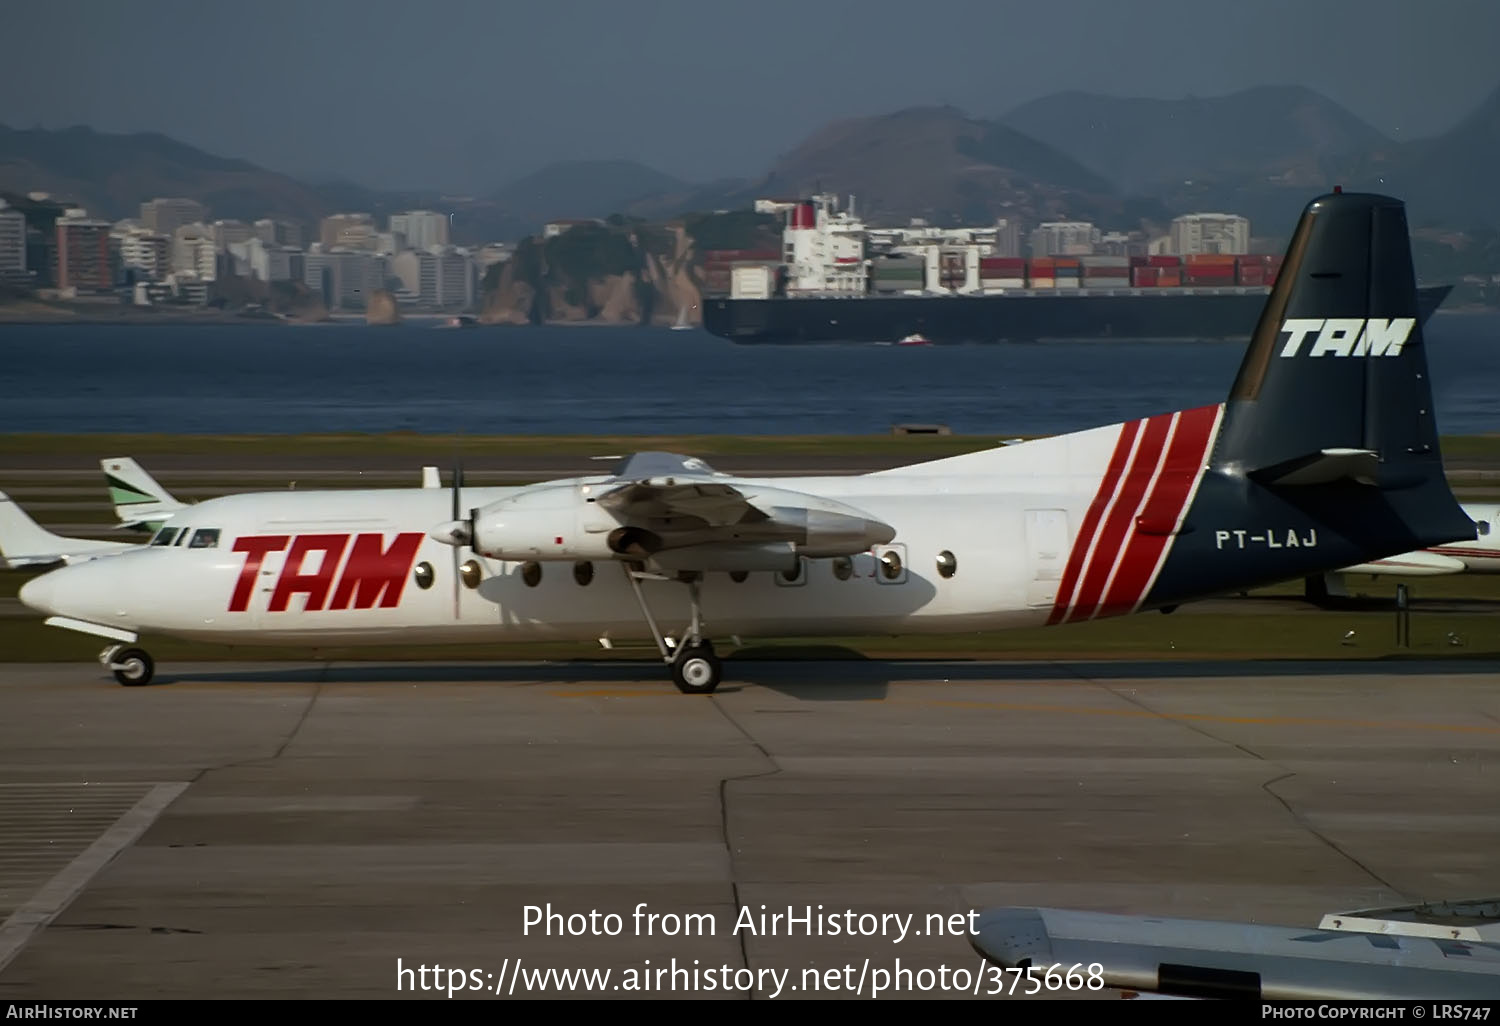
<point>293,830</point>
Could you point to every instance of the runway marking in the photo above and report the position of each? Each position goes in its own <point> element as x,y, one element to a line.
<point>58,893</point>
<point>1261,721</point>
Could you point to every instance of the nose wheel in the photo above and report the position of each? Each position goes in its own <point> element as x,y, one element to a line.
<point>132,667</point>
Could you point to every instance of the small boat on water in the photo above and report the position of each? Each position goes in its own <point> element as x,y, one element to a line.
<point>460,321</point>
<point>917,339</point>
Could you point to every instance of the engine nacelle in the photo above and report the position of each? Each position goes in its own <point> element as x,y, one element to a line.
<point>821,532</point>
<point>543,523</point>
<point>562,522</point>
<point>775,556</point>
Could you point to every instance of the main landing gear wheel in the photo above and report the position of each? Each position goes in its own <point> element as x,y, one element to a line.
<point>697,671</point>
<point>695,668</point>
<point>132,667</point>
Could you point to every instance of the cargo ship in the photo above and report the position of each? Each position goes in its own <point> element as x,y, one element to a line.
<point>837,280</point>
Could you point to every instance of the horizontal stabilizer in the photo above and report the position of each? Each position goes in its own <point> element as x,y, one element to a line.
<point>1323,467</point>
<point>1410,564</point>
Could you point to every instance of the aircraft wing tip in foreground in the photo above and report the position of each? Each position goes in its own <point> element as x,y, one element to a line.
<point>1403,952</point>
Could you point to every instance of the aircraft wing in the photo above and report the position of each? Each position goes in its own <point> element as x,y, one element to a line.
<point>25,543</point>
<point>1410,564</point>
<point>668,488</point>
<point>700,503</point>
<point>1381,954</point>
<point>707,516</point>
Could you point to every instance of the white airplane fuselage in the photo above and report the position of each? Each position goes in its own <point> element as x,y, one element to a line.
<point>1009,535</point>
<point>187,593</point>
<point>1480,555</point>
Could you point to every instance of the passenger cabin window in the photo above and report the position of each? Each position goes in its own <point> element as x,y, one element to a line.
<point>205,538</point>
<point>1484,527</point>
<point>166,536</point>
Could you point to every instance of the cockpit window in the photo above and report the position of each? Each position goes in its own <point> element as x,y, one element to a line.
<point>166,536</point>
<point>205,538</point>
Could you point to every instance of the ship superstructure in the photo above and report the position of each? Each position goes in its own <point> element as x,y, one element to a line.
<point>830,255</point>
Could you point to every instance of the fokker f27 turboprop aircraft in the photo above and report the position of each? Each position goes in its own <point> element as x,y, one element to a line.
<point>1324,455</point>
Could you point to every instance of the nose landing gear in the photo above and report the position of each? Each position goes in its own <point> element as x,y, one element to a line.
<point>132,666</point>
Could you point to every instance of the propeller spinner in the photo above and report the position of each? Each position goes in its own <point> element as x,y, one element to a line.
<point>459,531</point>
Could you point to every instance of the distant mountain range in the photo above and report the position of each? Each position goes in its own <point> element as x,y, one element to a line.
<point>939,164</point>
<point>1147,147</point>
<point>1120,162</point>
<point>1264,152</point>
<point>111,175</point>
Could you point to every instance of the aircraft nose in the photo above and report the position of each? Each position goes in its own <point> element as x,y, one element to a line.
<point>39,593</point>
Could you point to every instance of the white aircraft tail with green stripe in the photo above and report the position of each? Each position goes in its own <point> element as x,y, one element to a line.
<point>141,503</point>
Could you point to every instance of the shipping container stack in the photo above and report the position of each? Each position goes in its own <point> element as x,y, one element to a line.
<point>718,266</point>
<point>1168,270</point>
<point>1214,270</point>
<point>1069,272</point>
<point>1042,273</point>
<point>1002,272</point>
<point>1251,270</point>
<point>898,272</point>
<point>1105,272</point>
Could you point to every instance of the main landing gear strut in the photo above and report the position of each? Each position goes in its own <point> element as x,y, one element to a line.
<point>695,668</point>
<point>132,666</point>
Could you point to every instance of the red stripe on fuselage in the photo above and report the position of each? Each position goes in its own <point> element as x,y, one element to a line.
<point>1161,511</point>
<point>1091,519</point>
<point>1116,528</point>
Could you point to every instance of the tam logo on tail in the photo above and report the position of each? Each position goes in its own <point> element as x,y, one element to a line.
<point>1348,336</point>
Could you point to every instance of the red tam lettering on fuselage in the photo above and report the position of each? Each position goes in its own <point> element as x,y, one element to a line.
<point>314,585</point>
<point>371,571</point>
<point>374,572</point>
<point>255,548</point>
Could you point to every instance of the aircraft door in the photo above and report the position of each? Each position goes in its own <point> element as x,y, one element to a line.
<point>1046,553</point>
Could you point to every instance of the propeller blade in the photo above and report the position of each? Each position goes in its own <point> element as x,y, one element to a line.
<point>463,535</point>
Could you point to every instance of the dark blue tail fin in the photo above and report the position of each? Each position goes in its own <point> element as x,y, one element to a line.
<point>1328,453</point>
<point>1335,382</point>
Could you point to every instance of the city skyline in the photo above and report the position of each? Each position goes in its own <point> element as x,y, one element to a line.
<point>478,96</point>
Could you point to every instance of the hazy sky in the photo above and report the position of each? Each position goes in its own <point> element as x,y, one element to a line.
<point>465,94</point>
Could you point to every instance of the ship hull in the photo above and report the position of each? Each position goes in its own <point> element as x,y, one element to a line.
<point>1201,314</point>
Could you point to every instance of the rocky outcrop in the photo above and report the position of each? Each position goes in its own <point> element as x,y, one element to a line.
<point>381,308</point>
<point>296,303</point>
<point>641,274</point>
